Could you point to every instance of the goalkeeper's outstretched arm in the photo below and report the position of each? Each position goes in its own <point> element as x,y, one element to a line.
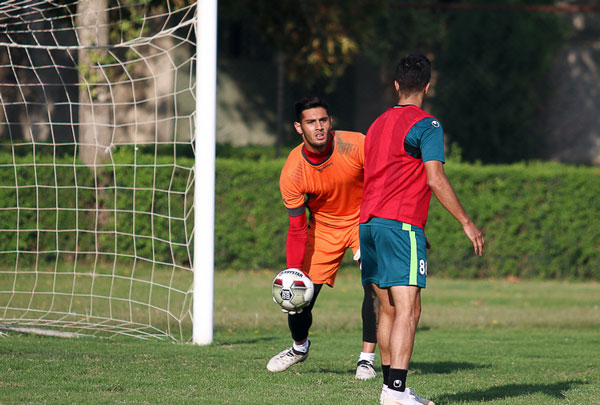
<point>296,239</point>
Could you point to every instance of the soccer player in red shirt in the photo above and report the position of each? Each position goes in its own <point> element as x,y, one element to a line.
<point>404,156</point>
<point>324,174</point>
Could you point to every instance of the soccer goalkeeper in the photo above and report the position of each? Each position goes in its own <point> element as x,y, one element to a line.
<point>325,175</point>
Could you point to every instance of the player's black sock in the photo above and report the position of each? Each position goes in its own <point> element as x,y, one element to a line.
<point>397,379</point>
<point>385,370</point>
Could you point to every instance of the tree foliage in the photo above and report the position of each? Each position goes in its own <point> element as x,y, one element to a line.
<point>318,38</point>
<point>391,30</point>
<point>489,62</point>
<point>492,81</point>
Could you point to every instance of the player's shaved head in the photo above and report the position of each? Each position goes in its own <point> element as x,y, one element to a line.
<point>306,103</point>
<point>413,73</point>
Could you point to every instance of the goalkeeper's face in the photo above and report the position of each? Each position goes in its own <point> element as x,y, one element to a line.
<point>315,128</point>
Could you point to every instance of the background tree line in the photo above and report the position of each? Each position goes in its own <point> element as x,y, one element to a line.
<point>490,61</point>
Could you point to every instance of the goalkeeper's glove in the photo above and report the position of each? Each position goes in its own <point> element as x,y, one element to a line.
<point>356,257</point>
<point>287,311</point>
<point>293,311</point>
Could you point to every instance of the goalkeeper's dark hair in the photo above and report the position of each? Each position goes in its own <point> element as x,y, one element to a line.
<point>306,103</point>
<point>413,73</point>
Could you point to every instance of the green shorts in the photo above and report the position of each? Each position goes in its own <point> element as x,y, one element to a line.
<point>392,253</point>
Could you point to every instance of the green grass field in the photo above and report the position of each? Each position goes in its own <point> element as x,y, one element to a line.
<point>498,342</point>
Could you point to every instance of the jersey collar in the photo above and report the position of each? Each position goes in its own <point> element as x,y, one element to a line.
<point>315,159</point>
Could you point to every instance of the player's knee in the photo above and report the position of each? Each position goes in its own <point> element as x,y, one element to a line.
<point>385,309</point>
<point>408,313</point>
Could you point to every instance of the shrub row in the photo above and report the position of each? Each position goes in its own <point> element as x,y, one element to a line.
<point>54,210</point>
<point>539,220</point>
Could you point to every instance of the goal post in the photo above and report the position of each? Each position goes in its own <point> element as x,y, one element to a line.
<point>107,159</point>
<point>206,90</point>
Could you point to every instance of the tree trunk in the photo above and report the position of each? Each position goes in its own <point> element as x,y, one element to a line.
<point>94,90</point>
<point>280,101</point>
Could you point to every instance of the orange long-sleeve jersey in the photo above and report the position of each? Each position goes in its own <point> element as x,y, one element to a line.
<point>332,189</point>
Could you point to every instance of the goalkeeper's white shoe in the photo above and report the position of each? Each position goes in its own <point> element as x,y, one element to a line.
<point>365,370</point>
<point>285,359</point>
<point>391,397</point>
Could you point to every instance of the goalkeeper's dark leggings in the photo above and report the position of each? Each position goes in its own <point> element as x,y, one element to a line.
<point>370,309</point>
<point>300,324</point>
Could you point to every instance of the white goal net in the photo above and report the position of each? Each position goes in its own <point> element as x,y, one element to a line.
<point>96,166</point>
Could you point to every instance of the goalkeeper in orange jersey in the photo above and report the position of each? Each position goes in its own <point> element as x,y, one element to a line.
<point>325,175</point>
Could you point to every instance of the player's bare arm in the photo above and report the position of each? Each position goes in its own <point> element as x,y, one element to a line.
<point>443,191</point>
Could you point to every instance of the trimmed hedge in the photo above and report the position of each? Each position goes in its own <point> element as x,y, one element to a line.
<point>539,220</point>
<point>250,220</point>
<point>66,213</point>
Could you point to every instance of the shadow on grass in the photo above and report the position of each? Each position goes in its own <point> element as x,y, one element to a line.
<point>338,371</point>
<point>443,367</point>
<point>555,390</point>
<point>243,340</point>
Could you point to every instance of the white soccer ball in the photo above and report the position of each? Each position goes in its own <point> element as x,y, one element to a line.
<point>292,290</point>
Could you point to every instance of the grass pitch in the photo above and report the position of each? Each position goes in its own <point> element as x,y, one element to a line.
<point>497,342</point>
